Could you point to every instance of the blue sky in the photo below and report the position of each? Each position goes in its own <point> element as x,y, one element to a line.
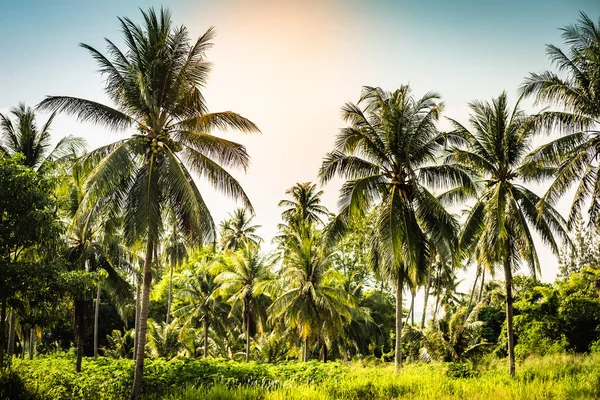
<point>290,66</point>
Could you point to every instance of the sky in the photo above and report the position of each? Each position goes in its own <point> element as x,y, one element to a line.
<point>290,65</point>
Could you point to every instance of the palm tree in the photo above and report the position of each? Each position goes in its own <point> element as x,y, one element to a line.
<point>314,301</point>
<point>238,229</point>
<point>199,300</point>
<point>387,155</point>
<point>574,156</point>
<point>497,229</point>
<point>244,278</point>
<point>305,204</point>
<point>176,253</point>
<point>156,87</point>
<point>163,339</point>
<point>23,136</point>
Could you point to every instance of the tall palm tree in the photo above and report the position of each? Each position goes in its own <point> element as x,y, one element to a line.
<point>156,88</point>
<point>574,156</point>
<point>314,302</point>
<point>176,253</point>
<point>237,229</point>
<point>244,278</point>
<point>23,136</point>
<point>497,229</point>
<point>388,155</point>
<point>199,300</point>
<point>305,204</point>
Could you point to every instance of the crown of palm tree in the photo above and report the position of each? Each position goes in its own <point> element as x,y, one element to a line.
<point>238,229</point>
<point>573,157</point>
<point>497,227</point>
<point>305,204</point>
<point>24,137</point>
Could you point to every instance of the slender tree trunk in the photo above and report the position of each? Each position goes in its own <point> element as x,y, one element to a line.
<point>170,300</point>
<point>2,331</point>
<point>509,316</point>
<point>79,331</point>
<point>412,309</point>
<point>136,323</point>
<point>471,297</point>
<point>96,317</point>
<point>305,356</point>
<point>436,309</point>
<point>31,342</point>
<point>143,324</point>
<point>398,349</point>
<point>205,354</point>
<point>12,329</point>
<point>324,352</point>
<point>482,283</point>
<point>409,312</point>
<point>247,334</point>
<point>23,338</point>
<point>427,285</point>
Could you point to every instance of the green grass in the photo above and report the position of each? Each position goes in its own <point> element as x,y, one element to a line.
<point>550,377</point>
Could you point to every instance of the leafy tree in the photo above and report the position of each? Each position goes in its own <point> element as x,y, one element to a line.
<point>155,85</point>
<point>497,228</point>
<point>573,157</point>
<point>584,252</point>
<point>305,204</point>
<point>243,280</point>
<point>388,156</point>
<point>238,229</point>
<point>313,302</point>
<point>24,137</point>
<point>28,230</point>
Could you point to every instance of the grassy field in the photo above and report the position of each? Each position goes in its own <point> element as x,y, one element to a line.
<point>550,377</point>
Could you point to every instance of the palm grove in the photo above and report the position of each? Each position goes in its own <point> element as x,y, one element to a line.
<point>113,251</point>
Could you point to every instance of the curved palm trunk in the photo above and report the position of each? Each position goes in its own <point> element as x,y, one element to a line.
<point>170,295</point>
<point>481,288</point>
<point>136,323</point>
<point>471,297</point>
<point>509,316</point>
<point>247,333</point>
<point>32,344</point>
<point>305,355</point>
<point>96,318</point>
<point>205,354</point>
<point>79,327</point>
<point>143,324</point>
<point>398,349</point>
<point>425,301</point>
<point>11,333</point>
<point>2,331</point>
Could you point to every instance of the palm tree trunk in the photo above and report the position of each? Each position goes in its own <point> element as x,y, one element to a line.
<point>79,331</point>
<point>136,323</point>
<point>398,349</point>
<point>436,309</point>
<point>2,331</point>
<point>96,317</point>
<point>143,324</point>
<point>426,299</point>
<point>247,335</point>
<point>23,336</point>
<point>324,352</point>
<point>205,354</point>
<point>482,283</point>
<point>471,296</point>
<point>12,329</point>
<point>32,343</point>
<point>305,349</point>
<point>170,300</point>
<point>509,316</point>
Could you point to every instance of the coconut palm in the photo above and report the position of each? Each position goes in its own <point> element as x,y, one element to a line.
<point>198,299</point>
<point>163,339</point>
<point>314,302</point>
<point>155,85</point>
<point>237,229</point>
<point>497,229</point>
<point>574,156</point>
<point>305,204</point>
<point>23,136</point>
<point>387,155</point>
<point>176,253</point>
<point>243,278</point>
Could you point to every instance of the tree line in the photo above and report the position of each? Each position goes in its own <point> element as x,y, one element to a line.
<point>85,228</point>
